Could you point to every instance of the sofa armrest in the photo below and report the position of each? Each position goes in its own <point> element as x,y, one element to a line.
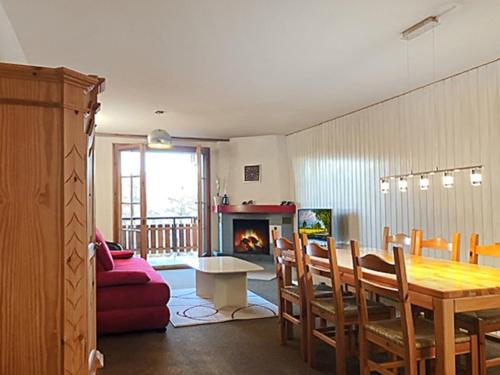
<point>123,254</point>
<point>116,278</point>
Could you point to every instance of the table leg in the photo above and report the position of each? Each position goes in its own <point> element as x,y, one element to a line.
<point>230,289</point>
<point>444,328</point>
<point>205,284</point>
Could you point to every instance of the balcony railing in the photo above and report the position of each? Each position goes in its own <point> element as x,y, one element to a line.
<point>165,234</point>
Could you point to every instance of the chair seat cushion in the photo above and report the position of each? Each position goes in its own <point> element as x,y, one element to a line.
<point>392,330</point>
<point>488,316</point>
<point>294,291</point>
<point>350,306</point>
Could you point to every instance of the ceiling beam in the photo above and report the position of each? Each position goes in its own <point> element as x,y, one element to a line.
<point>144,136</point>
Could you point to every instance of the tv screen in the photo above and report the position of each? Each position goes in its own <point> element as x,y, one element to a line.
<point>315,222</point>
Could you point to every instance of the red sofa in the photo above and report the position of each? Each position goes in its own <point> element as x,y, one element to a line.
<point>131,295</point>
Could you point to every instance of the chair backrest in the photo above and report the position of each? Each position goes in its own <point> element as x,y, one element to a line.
<point>299,266</point>
<point>492,250</point>
<point>437,243</point>
<point>401,239</point>
<point>280,245</point>
<point>399,293</point>
<point>314,264</point>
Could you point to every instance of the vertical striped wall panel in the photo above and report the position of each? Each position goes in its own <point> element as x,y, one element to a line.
<point>451,123</point>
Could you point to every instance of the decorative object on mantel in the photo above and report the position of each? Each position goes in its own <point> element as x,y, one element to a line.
<point>476,178</point>
<point>225,200</point>
<point>251,201</point>
<point>286,203</point>
<point>251,173</point>
<point>219,188</point>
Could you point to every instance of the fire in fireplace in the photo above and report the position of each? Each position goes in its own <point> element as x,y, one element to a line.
<point>251,236</point>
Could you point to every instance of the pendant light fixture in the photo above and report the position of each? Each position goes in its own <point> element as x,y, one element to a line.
<point>424,182</point>
<point>476,178</point>
<point>403,184</point>
<point>448,180</point>
<point>384,186</point>
<point>159,139</point>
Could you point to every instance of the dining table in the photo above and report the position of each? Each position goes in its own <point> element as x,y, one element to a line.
<point>446,287</point>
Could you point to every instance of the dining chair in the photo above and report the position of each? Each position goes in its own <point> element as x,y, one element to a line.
<point>485,321</point>
<point>338,313</point>
<point>411,340</point>
<point>401,239</point>
<point>290,294</point>
<point>441,244</point>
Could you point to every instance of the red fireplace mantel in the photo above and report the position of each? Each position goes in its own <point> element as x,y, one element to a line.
<point>254,209</point>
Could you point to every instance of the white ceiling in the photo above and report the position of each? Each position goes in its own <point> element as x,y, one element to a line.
<point>225,68</point>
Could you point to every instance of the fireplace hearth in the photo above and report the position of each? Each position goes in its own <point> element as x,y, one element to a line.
<point>251,236</point>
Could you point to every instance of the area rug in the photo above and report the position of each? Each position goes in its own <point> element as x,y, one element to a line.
<point>187,309</point>
<point>261,276</point>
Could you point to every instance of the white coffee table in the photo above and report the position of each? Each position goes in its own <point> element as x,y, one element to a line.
<point>223,279</point>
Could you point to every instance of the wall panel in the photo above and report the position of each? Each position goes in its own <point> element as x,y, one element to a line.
<point>450,123</point>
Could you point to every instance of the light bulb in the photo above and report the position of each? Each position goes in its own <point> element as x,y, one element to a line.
<point>403,184</point>
<point>424,182</point>
<point>448,180</point>
<point>384,186</point>
<point>476,178</point>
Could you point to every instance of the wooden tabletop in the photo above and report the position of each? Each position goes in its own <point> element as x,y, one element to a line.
<point>435,277</point>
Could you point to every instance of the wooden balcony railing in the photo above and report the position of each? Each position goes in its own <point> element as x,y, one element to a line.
<point>168,234</point>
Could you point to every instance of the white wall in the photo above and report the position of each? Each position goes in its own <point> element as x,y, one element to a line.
<point>268,151</point>
<point>452,123</point>
<point>10,48</point>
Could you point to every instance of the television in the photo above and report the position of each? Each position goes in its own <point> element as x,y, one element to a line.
<point>315,222</point>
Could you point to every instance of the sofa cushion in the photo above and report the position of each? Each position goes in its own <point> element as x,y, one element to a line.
<point>122,254</point>
<point>117,277</point>
<point>103,254</point>
<point>153,293</point>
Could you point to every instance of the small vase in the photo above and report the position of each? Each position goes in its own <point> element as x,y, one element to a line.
<point>217,200</point>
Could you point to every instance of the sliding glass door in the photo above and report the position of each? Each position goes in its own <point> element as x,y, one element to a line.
<point>162,202</point>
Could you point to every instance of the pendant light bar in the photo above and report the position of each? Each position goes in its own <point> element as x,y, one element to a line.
<point>424,183</point>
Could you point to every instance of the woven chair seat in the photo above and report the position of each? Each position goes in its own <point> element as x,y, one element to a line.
<point>350,306</point>
<point>392,330</point>
<point>294,291</point>
<point>488,316</point>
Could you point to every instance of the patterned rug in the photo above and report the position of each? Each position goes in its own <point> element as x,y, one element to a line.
<point>261,276</point>
<point>187,309</point>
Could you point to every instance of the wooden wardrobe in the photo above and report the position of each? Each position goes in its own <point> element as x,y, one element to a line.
<point>47,226</point>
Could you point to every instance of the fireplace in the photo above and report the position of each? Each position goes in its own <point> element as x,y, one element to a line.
<point>251,236</point>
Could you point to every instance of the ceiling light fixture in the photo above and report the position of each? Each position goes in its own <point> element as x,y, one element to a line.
<point>159,139</point>
<point>424,180</point>
<point>420,28</point>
